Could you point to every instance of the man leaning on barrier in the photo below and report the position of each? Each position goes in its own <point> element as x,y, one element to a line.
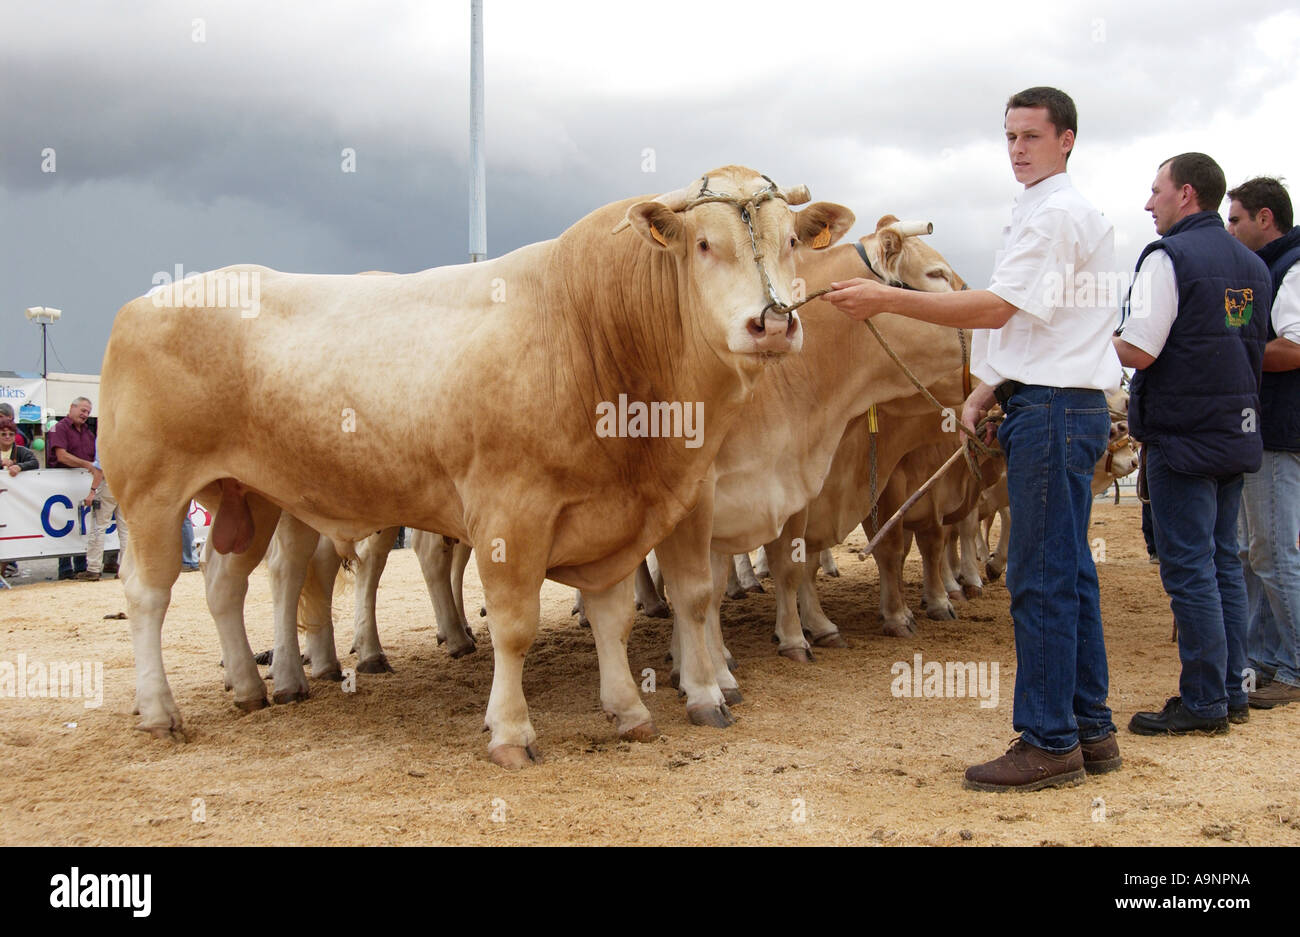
<point>1196,337</point>
<point>1048,360</point>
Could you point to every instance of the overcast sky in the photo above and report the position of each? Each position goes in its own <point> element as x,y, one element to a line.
<point>208,133</point>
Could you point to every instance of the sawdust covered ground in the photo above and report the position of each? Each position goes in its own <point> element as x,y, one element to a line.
<point>822,753</point>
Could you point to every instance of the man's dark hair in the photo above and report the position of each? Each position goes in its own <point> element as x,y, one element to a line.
<point>1202,174</point>
<point>1060,107</point>
<point>1265,192</point>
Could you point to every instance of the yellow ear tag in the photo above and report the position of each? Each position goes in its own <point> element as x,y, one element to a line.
<point>822,239</point>
<point>654,232</point>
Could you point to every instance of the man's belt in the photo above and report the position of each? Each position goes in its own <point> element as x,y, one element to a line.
<point>1006,390</point>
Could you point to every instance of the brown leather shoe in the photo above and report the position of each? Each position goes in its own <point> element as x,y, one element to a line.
<point>1101,755</point>
<point>1027,767</point>
<point>87,577</point>
<point>1275,694</point>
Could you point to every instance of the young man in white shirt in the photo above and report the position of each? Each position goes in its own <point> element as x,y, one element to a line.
<point>1260,216</point>
<point>1044,352</point>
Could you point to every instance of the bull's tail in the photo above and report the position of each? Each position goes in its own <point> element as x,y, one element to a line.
<point>315,601</point>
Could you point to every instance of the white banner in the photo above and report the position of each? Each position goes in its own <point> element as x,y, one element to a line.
<point>41,514</point>
<point>26,395</point>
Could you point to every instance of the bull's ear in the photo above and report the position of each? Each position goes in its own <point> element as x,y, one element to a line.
<point>890,243</point>
<point>821,224</point>
<point>657,223</point>
<point>885,221</point>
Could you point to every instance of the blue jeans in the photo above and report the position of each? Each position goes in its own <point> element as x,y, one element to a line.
<point>1052,438</point>
<point>1196,535</point>
<point>187,542</point>
<point>1270,557</point>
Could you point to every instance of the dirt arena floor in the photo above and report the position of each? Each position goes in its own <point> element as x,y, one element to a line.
<point>822,753</point>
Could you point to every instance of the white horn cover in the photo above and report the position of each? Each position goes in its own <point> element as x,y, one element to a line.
<point>912,228</point>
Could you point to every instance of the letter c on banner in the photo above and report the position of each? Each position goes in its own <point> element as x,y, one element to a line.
<point>50,502</point>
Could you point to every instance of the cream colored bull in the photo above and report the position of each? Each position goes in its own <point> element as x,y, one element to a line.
<point>521,352</point>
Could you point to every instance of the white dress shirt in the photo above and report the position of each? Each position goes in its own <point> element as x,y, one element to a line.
<point>1057,267</point>
<point>1154,305</point>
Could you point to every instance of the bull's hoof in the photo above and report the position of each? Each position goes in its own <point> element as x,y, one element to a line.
<point>252,705</point>
<point>659,610</point>
<point>675,678</point>
<point>830,639</point>
<point>335,675</point>
<point>800,654</point>
<point>514,757</point>
<point>164,733</point>
<point>645,732</point>
<point>464,651</point>
<point>955,595</point>
<point>899,629</point>
<point>943,613</point>
<point>377,664</point>
<point>973,592</point>
<point>289,696</point>
<point>710,714</point>
<point>737,593</point>
<point>584,622</point>
<point>264,659</point>
<point>441,640</point>
<point>991,572</point>
<point>732,695</point>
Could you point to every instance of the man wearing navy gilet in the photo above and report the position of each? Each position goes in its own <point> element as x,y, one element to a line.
<point>1196,335</point>
<point>1043,350</point>
<point>1260,216</point>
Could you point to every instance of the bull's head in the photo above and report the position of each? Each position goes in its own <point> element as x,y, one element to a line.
<point>733,237</point>
<point>900,257</point>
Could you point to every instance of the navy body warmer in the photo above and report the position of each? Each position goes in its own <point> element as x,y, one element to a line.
<point>1279,391</point>
<point>1199,400</point>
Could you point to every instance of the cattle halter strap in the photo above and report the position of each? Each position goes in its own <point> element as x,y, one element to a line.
<point>747,208</point>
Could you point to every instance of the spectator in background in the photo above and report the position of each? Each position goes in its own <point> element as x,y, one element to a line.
<point>1260,217</point>
<point>69,445</point>
<point>103,504</point>
<point>189,561</point>
<point>8,410</point>
<point>14,458</point>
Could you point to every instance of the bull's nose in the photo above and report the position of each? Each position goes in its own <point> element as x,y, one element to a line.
<point>773,332</point>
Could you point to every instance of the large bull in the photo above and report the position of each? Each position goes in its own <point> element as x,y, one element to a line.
<point>291,408</point>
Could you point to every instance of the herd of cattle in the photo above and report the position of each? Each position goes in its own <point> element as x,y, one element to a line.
<point>283,423</point>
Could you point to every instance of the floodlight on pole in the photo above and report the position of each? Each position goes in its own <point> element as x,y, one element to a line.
<point>477,172</point>
<point>45,316</point>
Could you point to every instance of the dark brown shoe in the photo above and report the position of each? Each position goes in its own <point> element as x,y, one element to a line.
<point>1239,715</point>
<point>1101,755</point>
<point>1275,694</point>
<point>87,577</point>
<point>1027,767</point>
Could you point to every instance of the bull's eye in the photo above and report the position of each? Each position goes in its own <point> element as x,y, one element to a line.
<point>794,241</point>
<point>704,247</point>
<point>937,274</point>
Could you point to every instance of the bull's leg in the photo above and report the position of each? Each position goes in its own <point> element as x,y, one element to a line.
<point>745,573</point>
<point>889,555</point>
<point>827,560</point>
<point>512,591</point>
<point>930,543</point>
<point>648,599</point>
<point>733,589</point>
<point>460,554</point>
<point>723,663</point>
<point>147,582</point>
<point>968,533</point>
<point>949,565</point>
<point>437,561</point>
<point>316,611</point>
<point>788,561</point>
<point>611,615</point>
<point>820,629</point>
<point>580,609</point>
<point>761,568</point>
<point>225,579</point>
<point>287,558</point>
<point>656,574</point>
<point>372,556</point>
<point>684,557</point>
<point>997,563</point>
